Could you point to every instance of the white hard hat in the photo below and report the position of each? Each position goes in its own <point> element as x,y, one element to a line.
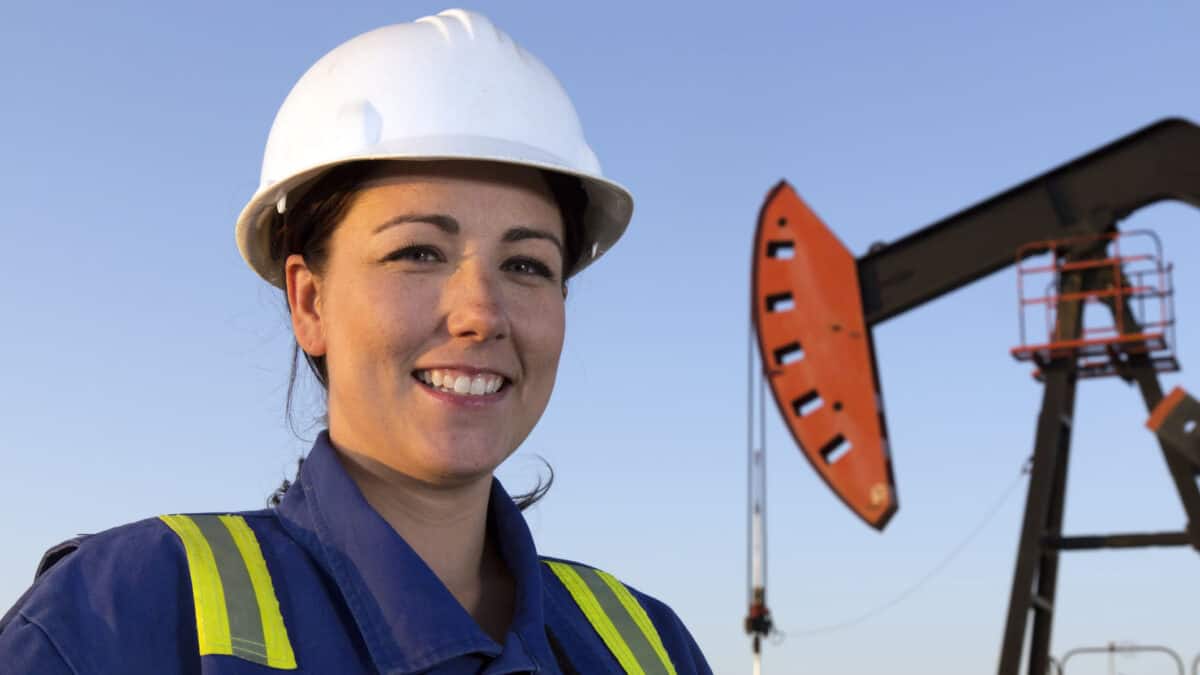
<point>451,86</point>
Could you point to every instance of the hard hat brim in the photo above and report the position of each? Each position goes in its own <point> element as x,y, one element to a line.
<point>609,210</point>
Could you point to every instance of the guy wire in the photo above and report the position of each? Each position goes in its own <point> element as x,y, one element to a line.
<point>931,574</point>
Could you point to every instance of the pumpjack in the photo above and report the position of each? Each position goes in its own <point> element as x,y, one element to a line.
<point>815,305</point>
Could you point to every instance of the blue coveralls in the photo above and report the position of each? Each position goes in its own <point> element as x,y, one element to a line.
<point>353,596</point>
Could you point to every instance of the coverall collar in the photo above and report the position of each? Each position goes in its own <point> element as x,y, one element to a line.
<point>409,620</point>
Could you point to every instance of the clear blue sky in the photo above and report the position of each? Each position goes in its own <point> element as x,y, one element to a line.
<point>144,365</point>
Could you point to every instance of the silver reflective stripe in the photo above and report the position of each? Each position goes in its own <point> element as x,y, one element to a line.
<point>245,621</point>
<point>633,636</point>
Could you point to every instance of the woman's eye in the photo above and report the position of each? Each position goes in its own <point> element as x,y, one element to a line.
<point>422,254</point>
<point>529,266</point>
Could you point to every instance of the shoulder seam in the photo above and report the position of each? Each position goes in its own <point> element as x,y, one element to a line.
<point>50,639</point>
<point>573,563</point>
<point>255,513</point>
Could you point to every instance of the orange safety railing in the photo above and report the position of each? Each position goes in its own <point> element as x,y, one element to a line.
<point>1139,280</point>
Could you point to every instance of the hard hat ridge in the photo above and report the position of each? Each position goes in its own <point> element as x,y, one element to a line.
<point>444,87</point>
<point>468,21</point>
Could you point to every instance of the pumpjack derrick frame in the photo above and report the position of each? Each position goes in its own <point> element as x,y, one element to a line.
<point>815,305</point>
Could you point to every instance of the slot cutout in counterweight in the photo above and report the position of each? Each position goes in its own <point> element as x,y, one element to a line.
<point>806,404</point>
<point>788,354</point>
<point>780,302</point>
<point>781,250</point>
<point>835,449</point>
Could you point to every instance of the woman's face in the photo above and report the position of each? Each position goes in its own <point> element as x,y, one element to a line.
<point>440,315</point>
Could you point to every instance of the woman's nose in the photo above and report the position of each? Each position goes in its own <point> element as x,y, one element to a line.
<point>474,307</point>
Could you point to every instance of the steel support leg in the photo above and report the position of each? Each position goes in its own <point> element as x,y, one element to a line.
<point>1140,368</point>
<point>1183,473</point>
<point>1047,574</point>
<point>1043,511</point>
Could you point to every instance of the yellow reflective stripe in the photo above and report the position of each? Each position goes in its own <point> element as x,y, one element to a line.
<point>279,648</point>
<point>587,602</point>
<point>640,617</point>
<point>208,595</point>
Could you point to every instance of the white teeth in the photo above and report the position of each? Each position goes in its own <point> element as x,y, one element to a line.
<point>462,385</point>
<point>449,381</point>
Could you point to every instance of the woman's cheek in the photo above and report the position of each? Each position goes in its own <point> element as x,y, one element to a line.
<point>547,311</point>
<point>552,334</point>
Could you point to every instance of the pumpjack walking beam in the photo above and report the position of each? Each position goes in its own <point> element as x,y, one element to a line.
<point>1084,197</point>
<point>826,353</point>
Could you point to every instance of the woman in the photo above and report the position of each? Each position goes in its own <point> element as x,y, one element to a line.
<point>426,194</point>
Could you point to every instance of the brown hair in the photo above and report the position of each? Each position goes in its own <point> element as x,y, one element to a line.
<point>306,227</point>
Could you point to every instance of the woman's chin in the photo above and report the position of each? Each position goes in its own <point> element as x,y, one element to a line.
<point>461,466</point>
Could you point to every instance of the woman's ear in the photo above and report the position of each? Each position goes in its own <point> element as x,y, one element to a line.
<point>304,303</point>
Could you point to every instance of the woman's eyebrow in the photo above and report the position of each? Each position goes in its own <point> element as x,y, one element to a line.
<point>441,221</point>
<point>520,233</point>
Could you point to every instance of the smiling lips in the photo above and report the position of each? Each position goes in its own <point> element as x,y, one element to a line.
<point>461,383</point>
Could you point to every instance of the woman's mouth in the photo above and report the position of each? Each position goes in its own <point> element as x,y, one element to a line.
<point>461,383</point>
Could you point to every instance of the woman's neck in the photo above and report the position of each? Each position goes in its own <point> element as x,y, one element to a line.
<point>447,527</point>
